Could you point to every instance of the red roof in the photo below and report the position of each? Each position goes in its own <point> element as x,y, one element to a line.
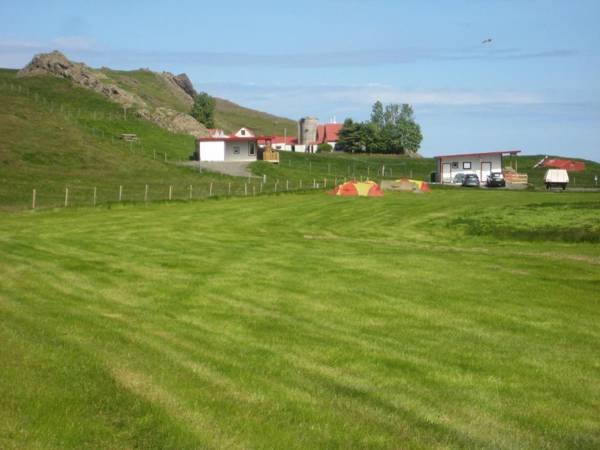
<point>228,138</point>
<point>288,140</point>
<point>328,133</point>
<point>567,164</point>
<point>501,152</point>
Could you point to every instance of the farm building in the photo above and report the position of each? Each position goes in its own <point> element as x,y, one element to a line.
<point>481,164</point>
<point>240,146</point>
<point>311,135</point>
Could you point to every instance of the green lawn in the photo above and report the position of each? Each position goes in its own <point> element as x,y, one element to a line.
<point>304,321</point>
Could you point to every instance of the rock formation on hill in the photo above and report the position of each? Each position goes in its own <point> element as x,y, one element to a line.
<point>186,84</point>
<point>56,64</point>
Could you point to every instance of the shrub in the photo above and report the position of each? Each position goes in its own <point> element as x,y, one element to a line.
<point>324,148</point>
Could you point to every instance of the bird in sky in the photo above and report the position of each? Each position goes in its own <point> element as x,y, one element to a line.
<point>487,41</point>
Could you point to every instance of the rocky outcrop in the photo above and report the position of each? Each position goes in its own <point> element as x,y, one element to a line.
<point>186,84</point>
<point>56,64</point>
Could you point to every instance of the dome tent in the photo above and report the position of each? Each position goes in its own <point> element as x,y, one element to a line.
<point>406,184</point>
<point>355,188</point>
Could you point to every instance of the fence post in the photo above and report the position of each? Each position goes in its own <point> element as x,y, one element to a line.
<point>94,198</point>
<point>300,183</point>
<point>253,191</point>
<point>287,185</point>
<point>165,157</point>
<point>210,190</point>
<point>229,188</point>
<point>277,181</point>
<point>191,190</point>
<point>246,189</point>
<point>120,192</point>
<point>314,183</point>
<point>170,192</point>
<point>261,187</point>
<point>33,200</point>
<point>66,197</point>
<point>325,183</point>
<point>145,193</point>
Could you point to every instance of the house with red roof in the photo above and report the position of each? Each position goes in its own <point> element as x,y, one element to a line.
<point>219,147</point>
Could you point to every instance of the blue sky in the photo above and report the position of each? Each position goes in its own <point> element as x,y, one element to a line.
<point>535,87</point>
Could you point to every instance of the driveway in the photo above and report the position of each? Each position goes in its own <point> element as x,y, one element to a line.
<point>235,169</point>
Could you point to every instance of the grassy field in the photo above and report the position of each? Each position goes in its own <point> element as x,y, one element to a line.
<point>304,321</point>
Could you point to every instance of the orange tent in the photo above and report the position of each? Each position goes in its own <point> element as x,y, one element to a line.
<point>406,184</point>
<point>358,189</point>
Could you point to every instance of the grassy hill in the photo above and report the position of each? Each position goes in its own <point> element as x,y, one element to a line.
<point>54,134</point>
<point>229,116</point>
<point>303,321</point>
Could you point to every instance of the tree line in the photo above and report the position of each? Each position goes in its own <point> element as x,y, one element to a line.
<point>391,129</point>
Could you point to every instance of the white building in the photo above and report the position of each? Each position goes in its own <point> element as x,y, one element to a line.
<point>481,164</point>
<point>241,146</point>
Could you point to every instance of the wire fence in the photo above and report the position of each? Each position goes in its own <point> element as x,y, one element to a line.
<point>70,196</point>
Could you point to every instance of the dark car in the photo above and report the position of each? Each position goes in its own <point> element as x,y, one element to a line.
<point>495,179</point>
<point>458,178</point>
<point>471,180</point>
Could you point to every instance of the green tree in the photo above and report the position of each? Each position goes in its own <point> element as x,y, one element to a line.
<point>203,109</point>
<point>377,114</point>
<point>392,129</point>
<point>349,139</point>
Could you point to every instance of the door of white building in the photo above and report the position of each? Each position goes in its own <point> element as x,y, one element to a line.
<point>446,173</point>
<point>486,170</point>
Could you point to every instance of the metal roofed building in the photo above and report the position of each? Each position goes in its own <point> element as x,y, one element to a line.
<point>481,164</point>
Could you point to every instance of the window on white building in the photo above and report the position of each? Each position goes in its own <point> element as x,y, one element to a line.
<point>455,164</point>
<point>243,132</point>
<point>251,150</point>
<point>236,149</point>
<point>467,165</point>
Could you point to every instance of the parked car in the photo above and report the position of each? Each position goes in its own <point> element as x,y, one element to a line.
<point>495,179</point>
<point>458,178</point>
<point>471,180</point>
<point>556,178</point>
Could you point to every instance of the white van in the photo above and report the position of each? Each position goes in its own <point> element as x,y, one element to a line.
<point>556,178</point>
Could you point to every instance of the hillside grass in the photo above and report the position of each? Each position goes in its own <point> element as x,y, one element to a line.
<point>55,135</point>
<point>300,321</point>
<point>229,116</point>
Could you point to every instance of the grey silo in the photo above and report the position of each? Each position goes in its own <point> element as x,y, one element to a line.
<point>307,130</point>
